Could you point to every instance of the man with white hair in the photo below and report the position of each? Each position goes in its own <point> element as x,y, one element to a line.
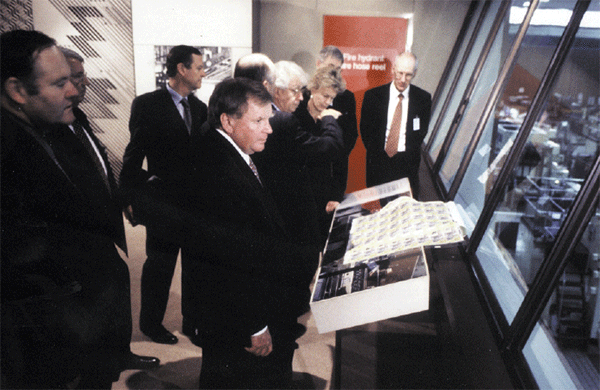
<point>394,121</point>
<point>283,161</point>
<point>289,82</point>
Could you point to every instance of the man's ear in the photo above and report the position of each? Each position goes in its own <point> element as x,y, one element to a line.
<point>226,123</point>
<point>181,68</point>
<point>16,90</point>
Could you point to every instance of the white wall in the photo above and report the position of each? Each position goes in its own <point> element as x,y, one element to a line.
<point>187,22</point>
<point>293,29</point>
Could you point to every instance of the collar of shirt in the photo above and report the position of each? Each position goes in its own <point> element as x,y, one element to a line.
<point>394,94</point>
<point>175,96</point>
<point>245,156</point>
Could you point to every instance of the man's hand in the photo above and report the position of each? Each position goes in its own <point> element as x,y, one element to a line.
<point>261,344</point>
<point>331,206</point>
<point>129,215</point>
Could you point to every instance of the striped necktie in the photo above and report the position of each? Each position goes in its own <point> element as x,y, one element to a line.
<point>187,116</point>
<point>254,170</point>
<point>391,146</point>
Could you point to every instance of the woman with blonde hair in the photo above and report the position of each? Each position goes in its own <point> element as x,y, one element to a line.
<point>316,116</point>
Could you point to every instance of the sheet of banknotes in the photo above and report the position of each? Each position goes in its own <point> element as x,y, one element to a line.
<point>402,224</point>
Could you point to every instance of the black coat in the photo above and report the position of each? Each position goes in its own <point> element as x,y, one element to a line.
<point>283,166</point>
<point>380,167</point>
<point>346,104</point>
<point>249,273</point>
<point>159,134</point>
<point>60,265</point>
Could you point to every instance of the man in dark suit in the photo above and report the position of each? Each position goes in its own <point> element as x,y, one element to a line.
<point>249,273</point>
<point>404,121</point>
<point>283,161</point>
<point>346,104</point>
<point>66,311</point>
<point>160,124</point>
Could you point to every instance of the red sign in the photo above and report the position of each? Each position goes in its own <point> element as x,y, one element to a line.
<point>369,45</point>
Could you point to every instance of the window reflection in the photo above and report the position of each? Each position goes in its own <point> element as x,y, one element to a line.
<point>562,146</point>
<point>571,319</point>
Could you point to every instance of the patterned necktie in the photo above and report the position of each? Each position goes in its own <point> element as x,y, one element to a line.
<point>187,116</point>
<point>87,144</point>
<point>391,146</point>
<point>254,170</point>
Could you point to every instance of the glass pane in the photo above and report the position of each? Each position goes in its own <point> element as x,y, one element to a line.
<point>512,106</point>
<point>446,93</point>
<point>464,78</point>
<point>558,156</point>
<point>568,331</point>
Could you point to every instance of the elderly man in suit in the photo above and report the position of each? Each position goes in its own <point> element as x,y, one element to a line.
<point>394,122</point>
<point>249,273</point>
<point>283,162</point>
<point>66,311</point>
<point>160,124</point>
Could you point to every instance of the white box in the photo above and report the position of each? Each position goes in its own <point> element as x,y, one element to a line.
<point>380,231</point>
<point>409,295</point>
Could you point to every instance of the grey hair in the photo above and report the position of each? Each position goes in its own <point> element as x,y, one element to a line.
<point>286,71</point>
<point>331,51</point>
<point>68,53</point>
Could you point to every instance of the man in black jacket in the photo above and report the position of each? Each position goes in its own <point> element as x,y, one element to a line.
<point>388,161</point>
<point>250,275</point>
<point>66,310</point>
<point>283,161</point>
<point>160,124</point>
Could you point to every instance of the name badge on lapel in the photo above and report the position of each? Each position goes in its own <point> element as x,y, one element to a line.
<point>416,124</point>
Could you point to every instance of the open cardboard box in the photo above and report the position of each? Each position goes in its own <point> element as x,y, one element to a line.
<point>347,295</point>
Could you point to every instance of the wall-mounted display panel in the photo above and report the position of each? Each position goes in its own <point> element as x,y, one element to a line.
<point>218,27</point>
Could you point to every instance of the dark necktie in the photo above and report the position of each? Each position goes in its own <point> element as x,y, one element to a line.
<point>87,144</point>
<point>187,116</point>
<point>254,170</point>
<point>391,146</point>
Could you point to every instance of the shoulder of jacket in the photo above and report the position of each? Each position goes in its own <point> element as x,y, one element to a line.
<point>419,90</point>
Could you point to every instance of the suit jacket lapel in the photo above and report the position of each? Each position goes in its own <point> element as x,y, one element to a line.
<point>383,112</point>
<point>246,176</point>
<point>173,112</point>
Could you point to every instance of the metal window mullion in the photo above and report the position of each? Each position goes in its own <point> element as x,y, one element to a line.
<point>454,53</point>
<point>461,67</point>
<point>571,230</point>
<point>539,100</point>
<point>471,85</point>
<point>499,86</point>
<point>569,235</point>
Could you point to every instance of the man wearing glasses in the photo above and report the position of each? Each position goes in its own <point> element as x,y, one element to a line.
<point>394,122</point>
